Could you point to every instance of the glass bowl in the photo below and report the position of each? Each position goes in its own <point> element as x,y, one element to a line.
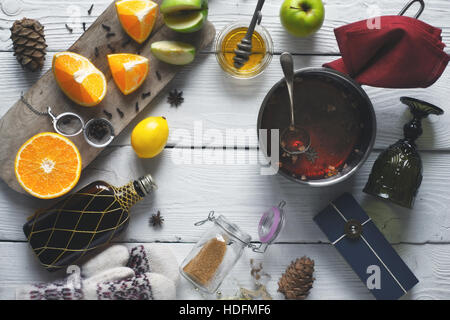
<point>223,41</point>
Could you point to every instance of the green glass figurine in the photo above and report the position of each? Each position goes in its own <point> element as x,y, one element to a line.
<point>397,173</point>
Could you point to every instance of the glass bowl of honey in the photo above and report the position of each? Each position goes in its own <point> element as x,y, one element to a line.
<point>262,50</point>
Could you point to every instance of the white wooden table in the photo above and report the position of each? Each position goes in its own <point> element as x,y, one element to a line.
<point>189,190</point>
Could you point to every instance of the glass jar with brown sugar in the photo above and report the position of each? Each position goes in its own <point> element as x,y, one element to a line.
<point>221,246</point>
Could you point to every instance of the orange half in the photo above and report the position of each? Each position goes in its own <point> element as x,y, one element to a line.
<point>48,165</point>
<point>137,17</point>
<point>129,71</point>
<point>79,79</point>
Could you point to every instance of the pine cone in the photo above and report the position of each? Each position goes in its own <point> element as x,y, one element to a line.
<point>298,279</point>
<point>29,44</point>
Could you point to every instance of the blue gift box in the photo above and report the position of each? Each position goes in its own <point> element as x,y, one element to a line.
<point>365,249</point>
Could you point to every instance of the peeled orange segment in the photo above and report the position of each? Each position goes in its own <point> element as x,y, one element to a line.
<point>79,79</point>
<point>48,165</point>
<point>128,70</point>
<point>137,17</point>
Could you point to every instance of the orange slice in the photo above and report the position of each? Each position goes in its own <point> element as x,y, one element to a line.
<point>128,70</point>
<point>137,17</point>
<point>48,165</point>
<point>79,79</point>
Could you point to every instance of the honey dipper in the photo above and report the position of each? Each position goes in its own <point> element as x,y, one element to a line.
<point>244,48</point>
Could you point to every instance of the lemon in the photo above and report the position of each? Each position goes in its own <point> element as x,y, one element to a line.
<point>150,136</point>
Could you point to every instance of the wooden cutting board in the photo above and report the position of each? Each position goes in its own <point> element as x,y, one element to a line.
<point>19,123</point>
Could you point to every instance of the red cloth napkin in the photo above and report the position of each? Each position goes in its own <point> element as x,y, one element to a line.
<point>403,53</point>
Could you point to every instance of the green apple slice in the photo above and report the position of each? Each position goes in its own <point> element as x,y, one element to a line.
<point>171,6</point>
<point>173,52</point>
<point>186,21</point>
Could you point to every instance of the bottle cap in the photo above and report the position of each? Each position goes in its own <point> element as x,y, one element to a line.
<point>147,184</point>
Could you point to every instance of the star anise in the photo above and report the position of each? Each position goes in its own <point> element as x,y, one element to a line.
<point>311,155</point>
<point>156,220</point>
<point>175,98</point>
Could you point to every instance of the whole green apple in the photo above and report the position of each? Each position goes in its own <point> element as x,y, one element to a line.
<point>302,18</point>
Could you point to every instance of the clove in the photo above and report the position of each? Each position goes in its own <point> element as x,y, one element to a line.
<point>69,28</point>
<point>146,95</point>
<point>106,27</point>
<point>111,48</point>
<point>108,114</point>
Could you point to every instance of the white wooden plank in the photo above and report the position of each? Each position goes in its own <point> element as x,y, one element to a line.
<point>334,278</point>
<point>215,101</point>
<point>188,191</point>
<point>55,14</point>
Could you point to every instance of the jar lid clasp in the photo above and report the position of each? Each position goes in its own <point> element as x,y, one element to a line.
<point>202,222</point>
<point>259,248</point>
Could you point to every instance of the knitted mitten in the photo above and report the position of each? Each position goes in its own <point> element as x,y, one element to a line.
<point>155,258</point>
<point>152,273</point>
<point>112,284</point>
<point>146,286</point>
<point>58,290</point>
<point>73,287</point>
<point>91,285</point>
<point>113,257</point>
<point>154,277</point>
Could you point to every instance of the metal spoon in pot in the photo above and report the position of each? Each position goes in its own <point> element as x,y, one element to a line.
<point>294,139</point>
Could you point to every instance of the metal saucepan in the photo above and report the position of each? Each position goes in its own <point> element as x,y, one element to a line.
<point>274,114</point>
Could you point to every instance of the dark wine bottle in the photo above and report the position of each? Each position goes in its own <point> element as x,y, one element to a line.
<point>83,222</point>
